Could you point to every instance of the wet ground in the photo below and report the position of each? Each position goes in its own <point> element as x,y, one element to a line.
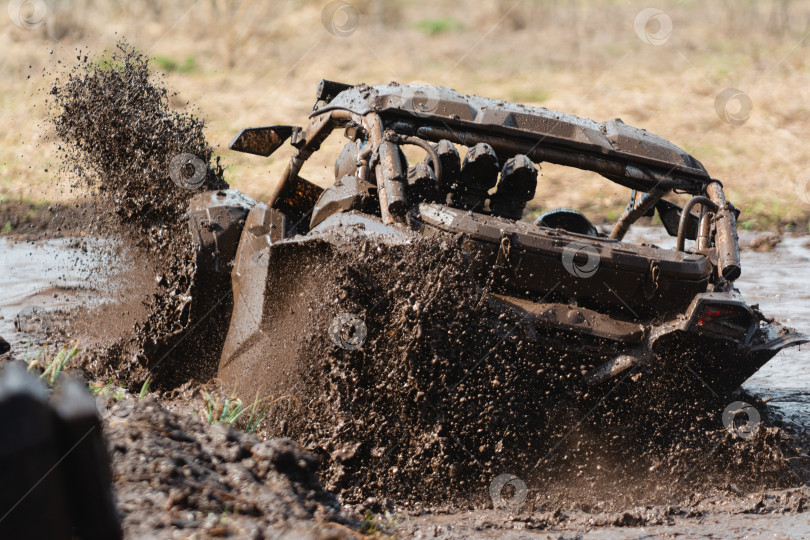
<point>60,274</point>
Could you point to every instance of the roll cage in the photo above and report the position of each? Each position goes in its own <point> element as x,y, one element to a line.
<point>384,117</point>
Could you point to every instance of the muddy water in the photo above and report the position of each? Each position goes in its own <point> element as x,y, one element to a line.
<point>778,282</point>
<point>46,276</point>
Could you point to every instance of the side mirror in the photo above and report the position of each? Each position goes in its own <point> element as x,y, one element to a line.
<point>262,141</point>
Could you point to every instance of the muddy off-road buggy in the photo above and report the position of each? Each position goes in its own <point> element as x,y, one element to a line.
<point>597,300</point>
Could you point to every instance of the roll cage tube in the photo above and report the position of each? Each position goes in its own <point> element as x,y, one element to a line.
<point>725,223</point>
<point>685,211</point>
<point>726,241</point>
<point>388,170</point>
<point>641,207</point>
<point>436,162</point>
<point>294,195</point>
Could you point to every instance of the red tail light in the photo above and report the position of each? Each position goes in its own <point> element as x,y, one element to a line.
<point>728,320</point>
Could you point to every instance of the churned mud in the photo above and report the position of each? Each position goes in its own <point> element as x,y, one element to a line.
<point>175,474</point>
<point>446,416</point>
<point>447,393</point>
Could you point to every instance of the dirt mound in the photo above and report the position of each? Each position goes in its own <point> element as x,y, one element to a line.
<point>213,480</point>
<point>142,162</point>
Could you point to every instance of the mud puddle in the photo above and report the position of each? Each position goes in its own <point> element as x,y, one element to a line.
<point>642,523</point>
<point>48,276</point>
<point>777,281</point>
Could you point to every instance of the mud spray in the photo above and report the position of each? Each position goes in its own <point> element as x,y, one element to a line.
<point>120,141</point>
<point>141,162</point>
<point>446,393</point>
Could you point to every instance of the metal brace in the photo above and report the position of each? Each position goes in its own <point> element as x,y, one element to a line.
<point>651,286</point>
<point>505,248</point>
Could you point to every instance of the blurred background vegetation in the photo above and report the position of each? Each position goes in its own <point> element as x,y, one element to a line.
<point>250,62</point>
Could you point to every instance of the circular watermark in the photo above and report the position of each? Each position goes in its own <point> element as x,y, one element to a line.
<point>348,331</point>
<point>801,185</point>
<point>112,407</point>
<point>340,18</point>
<point>653,26</point>
<point>28,14</point>
<point>420,98</point>
<point>508,492</point>
<point>733,106</point>
<point>741,419</point>
<point>188,171</point>
<point>586,269</point>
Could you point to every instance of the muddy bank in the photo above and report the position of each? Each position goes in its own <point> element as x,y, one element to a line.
<point>722,513</point>
<point>38,220</point>
<point>175,475</point>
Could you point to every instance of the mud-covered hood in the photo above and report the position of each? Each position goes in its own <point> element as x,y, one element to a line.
<point>446,107</point>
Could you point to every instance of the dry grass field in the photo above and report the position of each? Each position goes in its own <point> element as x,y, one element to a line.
<point>244,63</point>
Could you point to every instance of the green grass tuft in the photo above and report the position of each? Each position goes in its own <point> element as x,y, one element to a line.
<point>52,366</point>
<point>99,388</point>
<point>145,388</point>
<point>434,27</point>
<point>228,410</point>
<point>170,65</point>
<point>379,525</point>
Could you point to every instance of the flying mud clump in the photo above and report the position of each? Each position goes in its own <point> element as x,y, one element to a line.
<point>124,139</point>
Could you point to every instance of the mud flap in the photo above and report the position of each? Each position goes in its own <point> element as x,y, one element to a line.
<point>274,283</point>
<point>777,337</point>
